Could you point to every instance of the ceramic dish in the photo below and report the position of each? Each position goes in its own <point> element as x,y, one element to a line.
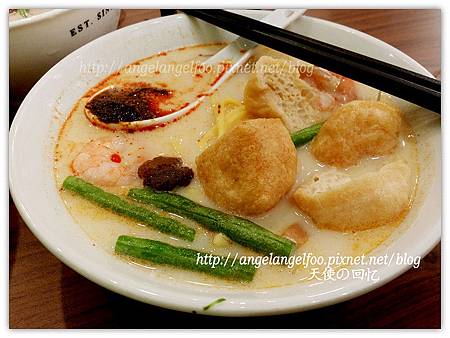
<point>33,188</point>
<point>37,42</point>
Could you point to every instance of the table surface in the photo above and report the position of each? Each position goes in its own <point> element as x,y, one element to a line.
<point>45,293</point>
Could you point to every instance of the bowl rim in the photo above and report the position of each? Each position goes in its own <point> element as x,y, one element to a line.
<point>184,306</point>
<point>51,13</point>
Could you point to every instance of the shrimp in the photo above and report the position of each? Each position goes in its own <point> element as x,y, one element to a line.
<point>334,89</point>
<point>108,162</point>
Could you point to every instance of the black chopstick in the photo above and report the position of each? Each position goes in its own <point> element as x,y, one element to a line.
<point>337,51</point>
<point>411,86</point>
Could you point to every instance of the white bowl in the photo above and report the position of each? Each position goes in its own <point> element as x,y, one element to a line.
<point>38,120</point>
<point>38,42</point>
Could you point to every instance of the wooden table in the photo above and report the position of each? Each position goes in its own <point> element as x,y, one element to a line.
<point>44,293</point>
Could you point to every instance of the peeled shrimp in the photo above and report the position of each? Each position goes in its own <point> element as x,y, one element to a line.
<point>107,162</point>
<point>333,88</point>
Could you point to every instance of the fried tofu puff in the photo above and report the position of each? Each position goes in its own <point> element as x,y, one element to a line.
<point>336,201</point>
<point>356,130</point>
<point>250,168</point>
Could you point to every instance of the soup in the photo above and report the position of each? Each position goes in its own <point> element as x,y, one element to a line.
<point>187,138</point>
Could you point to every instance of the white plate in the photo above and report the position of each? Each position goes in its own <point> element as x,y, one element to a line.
<point>32,184</point>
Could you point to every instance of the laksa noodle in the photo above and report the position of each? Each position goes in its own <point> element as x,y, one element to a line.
<point>282,169</point>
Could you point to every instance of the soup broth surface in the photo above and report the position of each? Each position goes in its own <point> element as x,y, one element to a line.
<point>181,139</point>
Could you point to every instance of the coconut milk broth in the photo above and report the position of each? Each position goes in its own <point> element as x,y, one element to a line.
<point>180,139</point>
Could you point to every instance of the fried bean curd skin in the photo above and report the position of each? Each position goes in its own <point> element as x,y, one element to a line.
<point>338,202</point>
<point>250,168</point>
<point>278,88</point>
<point>356,130</point>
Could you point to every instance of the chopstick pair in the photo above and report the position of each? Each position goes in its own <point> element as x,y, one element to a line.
<point>408,85</point>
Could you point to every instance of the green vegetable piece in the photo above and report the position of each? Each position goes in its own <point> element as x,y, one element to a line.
<point>238,229</point>
<point>163,253</point>
<point>217,301</point>
<point>24,12</point>
<point>127,209</point>
<point>305,135</point>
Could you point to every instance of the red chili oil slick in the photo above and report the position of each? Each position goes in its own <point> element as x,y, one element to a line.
<point>137,101</point>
